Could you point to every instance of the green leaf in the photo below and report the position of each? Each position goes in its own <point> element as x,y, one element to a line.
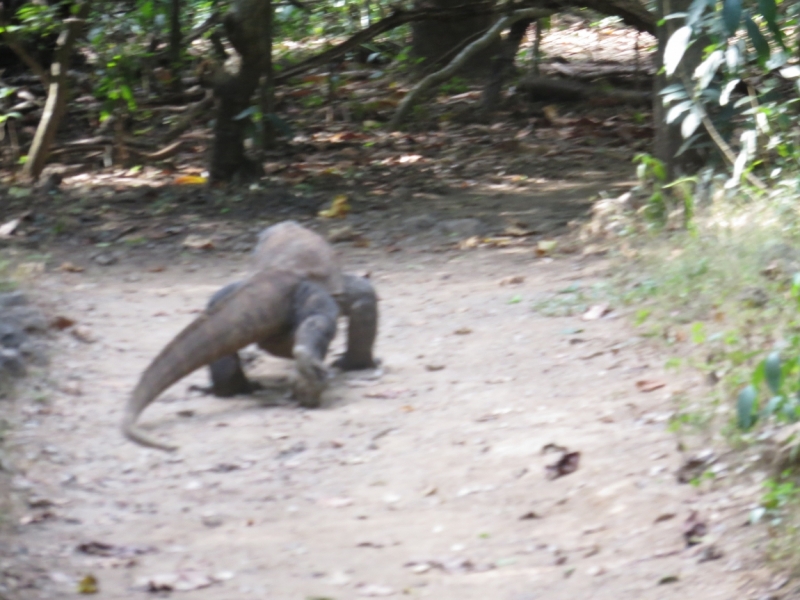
<point>773,405</point>
<point>677,110</point>
<point>745,408</point>
<point>759,374</point>
<point>676,47</point>
<point>691,122</point>
<point>772,370</point>
<point>732,15</point>
<point>725,96</point>
<point>706,70</point>
<point>769,11</point>
<point>733,57</point>
<point>758,40</point>
<point>791,72</point>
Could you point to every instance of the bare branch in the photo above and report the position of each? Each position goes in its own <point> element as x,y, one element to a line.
<point>444,74</point>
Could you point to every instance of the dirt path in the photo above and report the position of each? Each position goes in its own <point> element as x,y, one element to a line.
<point>425,480</point>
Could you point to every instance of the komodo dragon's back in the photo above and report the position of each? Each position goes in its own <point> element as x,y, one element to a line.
<point>289,246</point>
<point>286,254</point>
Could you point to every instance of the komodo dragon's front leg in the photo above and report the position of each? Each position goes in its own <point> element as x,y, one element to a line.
<point>359,303</point>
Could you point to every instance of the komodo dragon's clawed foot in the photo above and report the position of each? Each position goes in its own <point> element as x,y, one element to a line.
<point>312,377</point>
<point>346,363</point>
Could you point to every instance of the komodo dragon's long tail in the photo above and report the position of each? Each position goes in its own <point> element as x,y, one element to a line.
<point>253,312</point>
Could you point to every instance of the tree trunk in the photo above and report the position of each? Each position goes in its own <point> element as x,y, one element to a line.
<point>244,24</point>
<point>439,41</point>
<point>175,41</point>
<point>503,64</point>
<point>57,94</point>
<point>268,133</point>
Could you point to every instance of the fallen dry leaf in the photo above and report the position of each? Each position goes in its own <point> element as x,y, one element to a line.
<point>7,228</point>
<point>338,209</point>
<point>104,549</point>
<point>469,243</point>
<point>68,267</point>
<point>530,515</point>
<point>664,517</point>
<point>61,322</point>
<point>82,334</point>
<point>190,180</point>
<point>88,585</point>
<point>513,280</point>
<point>434,367</point>
<point>568,463</point>
<point>463,331</point>
<point>198,243</point>
<point>183,581</point>
<point>38,517</point>
<point>551,447</point>
<point>596,312</point>
<point>694,529</point>
<point>545,247</point>
<point>650,385</point>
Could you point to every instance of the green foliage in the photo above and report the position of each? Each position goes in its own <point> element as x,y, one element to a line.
<point>745,84</point>
<point>779,496</point>
<point>777,378</point>
<point>456,85</point>
<point>652,176</point>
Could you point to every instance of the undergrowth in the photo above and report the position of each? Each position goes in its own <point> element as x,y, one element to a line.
<point>724,296</point>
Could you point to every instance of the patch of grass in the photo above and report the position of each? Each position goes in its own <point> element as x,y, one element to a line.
<point>721,295</point>
<point>575,299</point>
<point>724,297</point>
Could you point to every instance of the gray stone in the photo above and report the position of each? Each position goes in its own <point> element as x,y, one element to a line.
<point>461,228</point>
<point>35,352</point>
<point>11,334</point>
<point>105,259</point>
<point>419,223</point>
<point>28,318</point>
<point>11,364</point>
<point>15,298</point>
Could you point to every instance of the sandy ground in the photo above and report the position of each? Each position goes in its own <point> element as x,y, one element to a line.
<point>424,479</point>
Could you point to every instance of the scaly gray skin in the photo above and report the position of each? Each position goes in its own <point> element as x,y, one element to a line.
<point>359,304</point>
<point>259,309</point>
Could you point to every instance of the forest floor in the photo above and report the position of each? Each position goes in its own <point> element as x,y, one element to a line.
<point>426,478</point>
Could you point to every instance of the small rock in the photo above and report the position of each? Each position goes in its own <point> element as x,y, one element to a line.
<point>35,352</point>
<point>709,552</point>
<point>29,318</point>
<point>346,233</point>
<point>11,363</point>
<point>461,228</point>
<point>419,223</point>
<point>9,299</point>
<point>211,520</point>
<point>104,259</point>
<point>11,335</point>
<point>82,334</point>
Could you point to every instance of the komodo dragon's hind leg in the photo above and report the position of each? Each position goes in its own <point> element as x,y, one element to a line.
<point>360,305</point>
<point>315,313</point>
<point>227,377</point>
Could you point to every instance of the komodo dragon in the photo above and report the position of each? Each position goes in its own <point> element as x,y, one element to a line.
<point>289,306</point>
